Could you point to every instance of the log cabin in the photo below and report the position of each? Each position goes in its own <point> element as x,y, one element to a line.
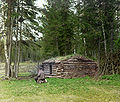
<point>76,66</point>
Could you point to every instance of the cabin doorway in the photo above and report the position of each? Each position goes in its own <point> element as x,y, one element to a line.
<point>50,69</point>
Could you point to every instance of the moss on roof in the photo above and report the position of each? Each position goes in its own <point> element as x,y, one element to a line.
<point>60,58</point>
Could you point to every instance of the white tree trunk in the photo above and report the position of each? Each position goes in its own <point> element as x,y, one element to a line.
<point>105,44</point>
<point>7,39</point>
<point>7,61</point>
<point>85,46</point>
<point>6,56</point>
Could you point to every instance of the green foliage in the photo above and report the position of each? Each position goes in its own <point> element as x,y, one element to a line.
<point>57,29</point>
<point>112,77</point>
<point>67,26</point>
<point>65,34</point>
<point>117,44</point>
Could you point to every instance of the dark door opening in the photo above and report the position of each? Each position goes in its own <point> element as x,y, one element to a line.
<point>42,67</point>
<point>50,69</point>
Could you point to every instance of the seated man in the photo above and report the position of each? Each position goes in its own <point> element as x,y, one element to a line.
<point>40,77</point>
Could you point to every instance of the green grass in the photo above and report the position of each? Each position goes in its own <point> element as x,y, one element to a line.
<point>61,90</point>
<point>60,58</point>
<point>23,74</point>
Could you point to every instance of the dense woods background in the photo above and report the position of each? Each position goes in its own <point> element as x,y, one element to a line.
<point>86,27</point>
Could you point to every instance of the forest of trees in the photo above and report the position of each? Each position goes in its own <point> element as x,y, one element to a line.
<point>86,27</point>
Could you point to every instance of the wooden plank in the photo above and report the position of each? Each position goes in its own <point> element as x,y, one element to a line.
<point>79,63</point>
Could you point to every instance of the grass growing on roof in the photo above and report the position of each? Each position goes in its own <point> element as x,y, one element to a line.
<point>64,57</point>
<point>61,90</point>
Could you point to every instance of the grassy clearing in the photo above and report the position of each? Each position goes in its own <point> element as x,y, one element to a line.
<point>25,68</point>
<point>62,90</point>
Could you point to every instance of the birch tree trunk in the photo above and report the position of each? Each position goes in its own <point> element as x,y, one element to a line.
<point>105,44</point>
<point>6,55</point>
<point>16,52</point>
<point>7,41</point>
<point>5,37</point>
<point>85,46</point>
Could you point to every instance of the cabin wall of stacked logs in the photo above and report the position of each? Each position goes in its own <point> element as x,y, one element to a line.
<point>77,69</point>
<point>67,69</point>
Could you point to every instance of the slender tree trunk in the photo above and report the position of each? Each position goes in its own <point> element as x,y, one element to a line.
<point>7,41</point>
<point>58,54</point>
<point>10,52</point>
<point>9,38</point>
<point>104,35</point>
<point>6,55</point>
<point>99,51</point>
<point>85,46</point>
<point>16,65</point>
<point>99,55</point>
<point>15,59</point>
<point>19,48</point>
<point>117,19</point>
<point>111,40</point>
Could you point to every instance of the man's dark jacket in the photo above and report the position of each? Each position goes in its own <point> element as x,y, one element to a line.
<point>41,74</point>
